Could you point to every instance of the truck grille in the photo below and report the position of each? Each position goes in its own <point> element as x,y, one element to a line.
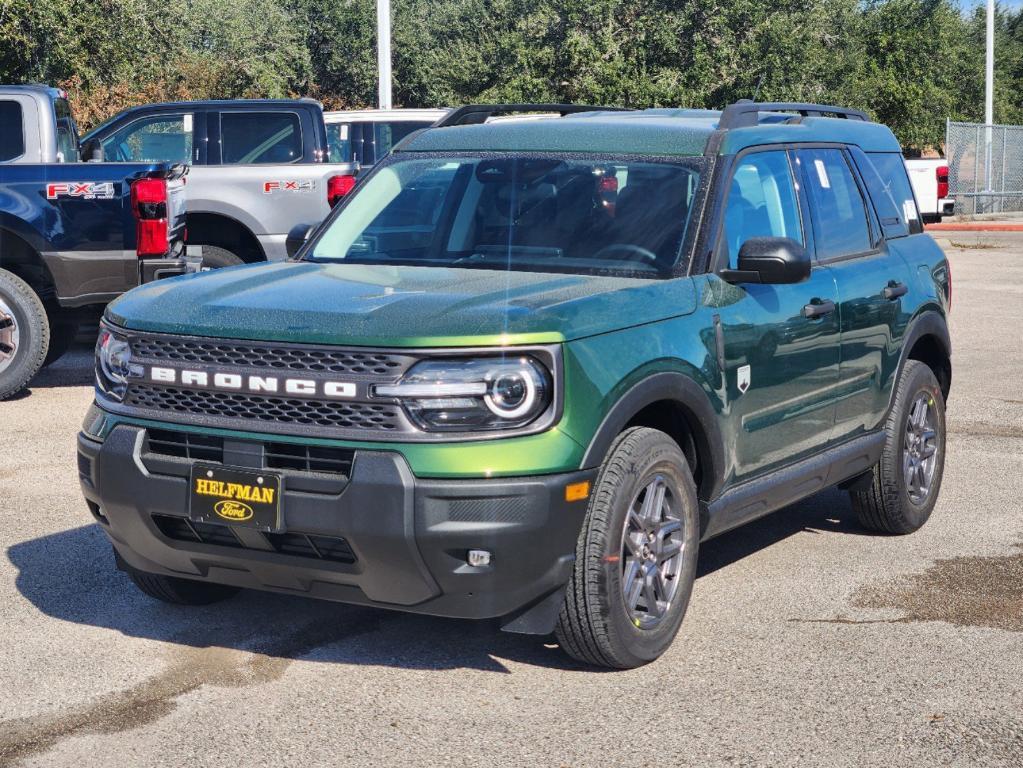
<point>273,410</point>
<point>253,355</point>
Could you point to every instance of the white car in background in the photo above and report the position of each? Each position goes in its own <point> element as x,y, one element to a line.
<point>929,177</point>
<point>365,136</point>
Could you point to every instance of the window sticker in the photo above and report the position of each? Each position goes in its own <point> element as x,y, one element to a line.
<point>188,124</point>
<point>822,174</point>
<point>909,210</point>
<point>343,132</point>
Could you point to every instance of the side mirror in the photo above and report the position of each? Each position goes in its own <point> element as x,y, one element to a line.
<point>297,237</point>
<point>775,260</point>
<point>92,151</point>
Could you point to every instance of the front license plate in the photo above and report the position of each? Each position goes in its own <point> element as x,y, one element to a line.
<point>235,497</point>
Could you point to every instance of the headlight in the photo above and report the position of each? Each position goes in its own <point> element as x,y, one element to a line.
<point>113,363</point>
<point>473,394</point>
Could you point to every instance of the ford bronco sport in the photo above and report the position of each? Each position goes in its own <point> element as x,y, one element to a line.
<point>527,367</point>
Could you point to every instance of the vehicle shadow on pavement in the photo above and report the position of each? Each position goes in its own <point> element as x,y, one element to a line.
<point>70,576</point>
<point>73,369</point>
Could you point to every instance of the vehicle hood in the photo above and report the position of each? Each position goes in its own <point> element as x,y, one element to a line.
<point>397,305</point>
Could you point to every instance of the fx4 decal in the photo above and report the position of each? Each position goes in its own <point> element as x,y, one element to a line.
<point>269,187</point>
<point>87,190</point>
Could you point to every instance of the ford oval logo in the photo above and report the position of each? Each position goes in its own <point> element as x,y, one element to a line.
<point>233,510</point>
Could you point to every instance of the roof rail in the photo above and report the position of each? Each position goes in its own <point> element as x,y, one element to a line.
<point>745,113</point>
<point>474,114</point>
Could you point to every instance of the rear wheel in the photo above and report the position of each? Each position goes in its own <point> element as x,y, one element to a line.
<point>24,334</point>
<point>218,258</point>
<point>907,479</point>
<point>636,557</point>
<point>171,589</point>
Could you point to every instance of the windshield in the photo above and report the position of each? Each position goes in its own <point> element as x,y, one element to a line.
<point>527,214</point>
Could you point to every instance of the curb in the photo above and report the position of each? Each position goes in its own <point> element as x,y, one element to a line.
<point>976,226</point>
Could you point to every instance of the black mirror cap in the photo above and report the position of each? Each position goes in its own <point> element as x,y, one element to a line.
<point>297,237</point>
<point>92,151</point>
<point>773,260</point>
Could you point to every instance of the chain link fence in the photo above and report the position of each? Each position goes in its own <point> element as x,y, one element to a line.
<point>985,167</point>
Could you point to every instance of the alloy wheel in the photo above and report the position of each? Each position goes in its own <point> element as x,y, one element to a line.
<point>653,543</point>
<point>10,336</point>
<point>920,448</point>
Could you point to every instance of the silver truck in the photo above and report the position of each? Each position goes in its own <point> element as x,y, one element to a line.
<point>260,169</point>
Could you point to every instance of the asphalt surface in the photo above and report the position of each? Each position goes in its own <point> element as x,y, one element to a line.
<point>808,640</point>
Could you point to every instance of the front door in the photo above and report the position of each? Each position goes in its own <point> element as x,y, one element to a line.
<point>850,238</point>
<point>781,342</point>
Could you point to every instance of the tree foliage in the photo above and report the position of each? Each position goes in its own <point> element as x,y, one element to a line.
<point>912,63</point>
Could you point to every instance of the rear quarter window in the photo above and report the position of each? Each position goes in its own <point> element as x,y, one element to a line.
<point>891,168</point>
<point>12,137</point>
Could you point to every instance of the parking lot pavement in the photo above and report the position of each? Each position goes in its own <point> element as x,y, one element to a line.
<point>808,641</point>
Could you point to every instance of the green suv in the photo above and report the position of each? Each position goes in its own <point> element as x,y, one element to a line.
<point>528,366</point>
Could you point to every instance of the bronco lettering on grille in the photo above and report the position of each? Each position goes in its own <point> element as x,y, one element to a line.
<point>250,383</point>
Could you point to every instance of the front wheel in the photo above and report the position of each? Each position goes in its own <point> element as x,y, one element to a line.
<point>636,557</point>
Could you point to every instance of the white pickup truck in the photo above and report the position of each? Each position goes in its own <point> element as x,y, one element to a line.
<point>929,177</point>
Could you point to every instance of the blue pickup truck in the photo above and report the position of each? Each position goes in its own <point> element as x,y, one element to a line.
<point>73,235</point>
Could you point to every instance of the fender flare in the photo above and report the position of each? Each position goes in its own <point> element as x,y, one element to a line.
<point>700,413</point>
<point>929,322</point>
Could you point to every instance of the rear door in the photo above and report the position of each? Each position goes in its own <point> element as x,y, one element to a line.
<point>849,236</point>
<point>781,365</point>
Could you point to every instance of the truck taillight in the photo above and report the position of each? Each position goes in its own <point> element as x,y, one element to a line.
<point>942,174</point>
<point>338,187</point>
<point>149,206</point>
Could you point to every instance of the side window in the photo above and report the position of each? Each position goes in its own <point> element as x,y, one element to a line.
<point>762,202</point>
<point>891,167</point>
<point>893,217</point>
<point>260,137</point>
<point>67,132</point>
<point>339,144</point>
<point>12,138</point>
<point>158,139</point>
<point>839,214</point>
<point>389,134</point>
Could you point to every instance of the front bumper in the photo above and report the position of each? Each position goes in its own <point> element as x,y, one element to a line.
<point>403,540</point>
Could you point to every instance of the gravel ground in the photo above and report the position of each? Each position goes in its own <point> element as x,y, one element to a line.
<point>808,641</point>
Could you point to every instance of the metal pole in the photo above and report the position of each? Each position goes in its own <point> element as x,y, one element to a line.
<point>989,93</point>
<point>384,53</point>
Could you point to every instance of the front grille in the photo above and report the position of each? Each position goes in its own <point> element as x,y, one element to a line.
<point>184,445</point>
<point>255,355</point>
<point>272,410</point>
<point>308,545</point>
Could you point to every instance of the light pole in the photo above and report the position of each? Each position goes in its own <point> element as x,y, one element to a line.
<point>384,53</point>
<point>989,94</point>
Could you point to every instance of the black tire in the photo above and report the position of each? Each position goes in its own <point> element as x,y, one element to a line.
<point>595,625</point>
<point>888,505</point>
<point>218,258</point>
<point>24,315</point>
<point>63,331</point>
<point>171,589</point>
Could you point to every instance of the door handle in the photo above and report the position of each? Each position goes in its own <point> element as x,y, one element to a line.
<point>894,290</point>
<point>817,308</point>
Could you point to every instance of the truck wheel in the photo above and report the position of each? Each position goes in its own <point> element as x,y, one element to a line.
<point>24,334</point>
<point>63,331</point>
<point>171,589</point>
<point>636,557</point>
<point>217,258</point>
<point>908,477</point>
